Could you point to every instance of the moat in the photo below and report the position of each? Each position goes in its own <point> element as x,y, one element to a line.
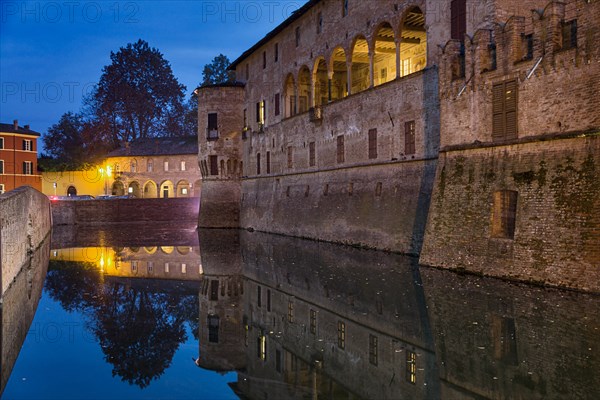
<point>147,311</point>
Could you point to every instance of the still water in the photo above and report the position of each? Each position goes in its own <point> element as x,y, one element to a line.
<point>155,312</point>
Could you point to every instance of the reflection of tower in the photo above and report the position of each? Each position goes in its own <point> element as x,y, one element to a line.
<point>221,327</point>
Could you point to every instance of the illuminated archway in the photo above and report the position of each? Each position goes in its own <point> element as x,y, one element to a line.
<point>361,65</point>
<point>183,188</point>
<point>384,60</point>
<point>413,42</point>
<point>321,82</point>
<point>339,80</point>
<point>150,190</point>
<point>166,189</point>
<point>118,189</point>
<point>71,191</point>
<point>290,96</point>
<point>134,190</point>
<point>304,90</point>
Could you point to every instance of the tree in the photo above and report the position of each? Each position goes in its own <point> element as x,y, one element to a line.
<point>137,96</point>
<point>64,142</point>
<point>217,71</point>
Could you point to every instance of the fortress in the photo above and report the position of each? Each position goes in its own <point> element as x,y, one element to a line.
<point>463,132</point>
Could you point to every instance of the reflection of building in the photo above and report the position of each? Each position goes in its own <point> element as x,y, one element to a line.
<point>332,324</point>
<point>153,262</point>
<point>505,341</point>
<point>157,167</point>
<point>18,157</point>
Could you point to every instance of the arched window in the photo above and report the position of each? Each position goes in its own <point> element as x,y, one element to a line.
<point>384,61</point>
<point>71,191</point>
<point>413,43</point>
<point>304,90</point>
<point>361,66</point>
<point>290,97</point>
<point>321,81</point>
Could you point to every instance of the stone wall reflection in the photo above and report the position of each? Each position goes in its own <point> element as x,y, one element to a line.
<point>18,307</point>
<point>496,339</point>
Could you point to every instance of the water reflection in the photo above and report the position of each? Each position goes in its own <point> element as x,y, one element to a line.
<point>295,318</point>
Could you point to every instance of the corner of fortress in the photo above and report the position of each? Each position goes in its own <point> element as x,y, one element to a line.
<point>463,132</point>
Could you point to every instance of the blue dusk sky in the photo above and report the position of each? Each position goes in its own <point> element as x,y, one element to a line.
<point>52,52</point>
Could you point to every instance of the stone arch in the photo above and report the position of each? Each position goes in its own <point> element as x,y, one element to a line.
<point>338,63</point>
<point>290,96</point>
<point>384,54</point>
<point>304,89</point>
<point>118,189</point>
<point>183,189</point>
<point>413,42</point>
<point>166,189</point>
<point>134,189</point>
<point>167,249</point>
<point>321,82</point>
<point>150,190</point>
<point>71,191</point>
<point>360,73</point>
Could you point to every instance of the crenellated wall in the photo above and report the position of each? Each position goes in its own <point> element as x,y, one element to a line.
<point>25,221</point>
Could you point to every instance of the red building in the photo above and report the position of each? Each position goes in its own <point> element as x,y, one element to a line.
<point>18,157</point>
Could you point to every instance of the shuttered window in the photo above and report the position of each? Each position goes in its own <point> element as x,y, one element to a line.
<point>504,104</point>
<point>268,162</point>
<point>372,143</point>
<point>409,137</point>
<point>340,149</point>
<point>277,104</point>
<point>257,163</point>
<point>504,214</point>
<point>290,157</point>
<point>458,19</point>
<point>311,154</point>
<point>569,35</point>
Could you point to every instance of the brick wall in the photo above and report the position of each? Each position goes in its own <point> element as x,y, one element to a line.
<point>98,212</point>
<point>556,237</point>
<point>24,223</point>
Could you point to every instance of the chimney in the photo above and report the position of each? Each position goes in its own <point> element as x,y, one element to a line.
<point>16,124</point>
<point>26,127</point>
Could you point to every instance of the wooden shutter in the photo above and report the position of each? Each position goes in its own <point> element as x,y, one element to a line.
<point>277,106</point>
<point>409,138</point>
<point>268,162</point>
<point>340,149</point>
<point>258,164</point>
<point>372,143</point>
<point>504,110</point>
<point>311,154</point>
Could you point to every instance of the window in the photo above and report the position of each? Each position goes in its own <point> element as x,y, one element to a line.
<point>504,110</point>
<point>268,299</point>
<point>290,315</point>
<point>257,163</point>
<point>344,8</point>
<point>262,347</point>
<point>277,104</point>
<point>340,149</point>
<point>458,19</point>
<point>167,267</point>
<point>311,154</point>
<point>134,266</point>
<point>528,47</point>
<point>27,168</point>
<point>183,268</point>
<point>212,130</point>
<point>290,157</point>
<point>166,166</point>
<point>297,36</point>
<point>409,137</point>
<point>569,35</point>
<point>260,113</point>
<point>214,290</point>
<point>341,335</point>
<point>259,296</point>
<point>277,360</point>
<point>1,143</point>
<point>213,328</point>
<point>26,144</point>
<point>504,338</point>
<point>373,349</point>
<point>504,213</point>
<point>1,188</point>
<point>183,165</point>
<point>150,166</point>
<point>313,322</point>
<point>214,165</point>
<point>372,143</point>
<point>1,167</point>
<point>150,266</point>
<point>276,52</point>
<point>268,162</point>
<point>411,367</point>
<point>133,166</point>
<point>264,59</point>
<point>319,23</point>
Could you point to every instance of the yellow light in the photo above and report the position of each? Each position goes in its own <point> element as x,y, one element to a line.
<point>102,262</point>
<point>101,170</point>
<point>108,171</point>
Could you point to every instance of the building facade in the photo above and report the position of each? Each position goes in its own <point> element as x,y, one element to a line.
<point>457,130</point>
<point>18,157</point>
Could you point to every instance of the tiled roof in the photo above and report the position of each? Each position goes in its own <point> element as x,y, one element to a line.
<point>10,128</point>
<point>158,146</point>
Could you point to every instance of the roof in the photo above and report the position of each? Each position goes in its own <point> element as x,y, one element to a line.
<point>158,146</point>
<point>10,128</point>
<point>291,19</point>
<point>221,85</point>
